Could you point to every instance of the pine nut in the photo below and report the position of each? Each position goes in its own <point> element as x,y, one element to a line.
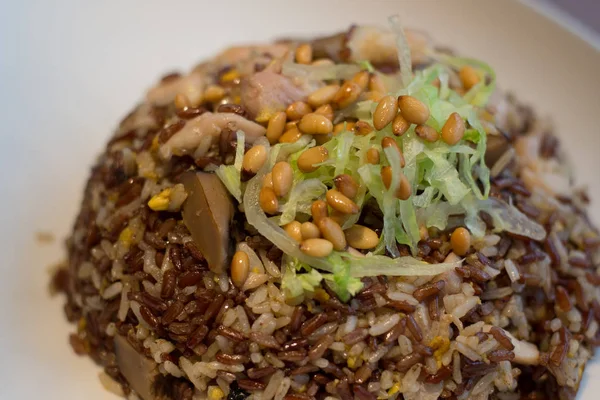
<point>332,232</point>
<point>310,157</point>
<point>339,217</point>
<point>268,181</point>
<point>468,76</point>
<point>316,247</point>
<point>461,241</point>
<point>404,190</point>
<point>290,125</point>
<point>389,142</point>
<point>275,127</point>
<point>338,201</point>
<point>304,54</point>
<point>347,94</point>
<point>343,126</point>
<point>297,110</point>
<point>427,133</point>
<point>346,185</point>
<point>240,268</point>
<point>315,124</point>
<point>385,112</point>
<point>373,96</point>
<point>373,156</point>
<point>282,178</point>
<point>290,136</point>
<point>293,230</point>
<point>400,125</point>
<point>376,84</point>
<point>413,110</point>
<point>325,110</point>
<point>309,230</point>
<point>360,237</point>
<point>454,129</point>
<point>254,159</point>
<point>322,139</point>
<point>181,101</point>
<point>322,95</point>
<point>318,209</point>
<point>268,200</point>
<point>323,61</point>
<point>362,128</point>
<point>354,252</point>
<point>214,93</point>
<point>361,79</point>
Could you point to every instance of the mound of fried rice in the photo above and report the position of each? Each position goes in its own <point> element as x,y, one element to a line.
<point>195,271</point>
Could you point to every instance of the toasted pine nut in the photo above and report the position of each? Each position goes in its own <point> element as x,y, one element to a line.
<point>385,112</point>
<point>290,136</point>
<point>293,230</point>
<point>389,142</point>
<point>373,156</point>
<point>461,241</point>
<point>322,95</point>
<point>343,126</point>
<point>268,200</point>
<point>339,217</point>
<point>214,93</point>
<point>297,110</point>
<point>316,247</point>
<point>240,268</point>
<point>275,127</point>
<point>361,79</point>
<point>304,54</point>
<point>362,128</point>
<point>360,237</point>
<point>354,252</point>
<point>348,94</point>
<point>290,125</point>
<point>376,84</point>
<point>268,181</point>
<point>373,96</point>
<point>427,133</point>
<point>338,201</point>
<point>315,124</point>
<point>282,178</point>
<point>346,185</point>
<point>181,101</point>
<point>309,230</point>
<point>423,232</point>
<point>310,157</point>
<point>323,61</point>
<point>454,129</point>
<point>326,110</point>
<point>318,209</point>
<point>413,110</point>
<point>468,76</point>
<point>254,159</point>
<point>404,190</point>
<point>400,125</point>
<point>332,232</point>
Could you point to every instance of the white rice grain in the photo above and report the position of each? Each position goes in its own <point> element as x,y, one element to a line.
<point>254,280</point>
<point>484,384</point>
<point>242,318</point>
<point>399,296</point>
<point>274,384</point>
<point>172,369</point>
<point>384,324</point>
<point>512,270</point>
<point>112,291</point>
<point>467,351</point>
<point>265,324</point>
<point>283,389</point>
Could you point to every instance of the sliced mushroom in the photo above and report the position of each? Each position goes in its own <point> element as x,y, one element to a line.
<point>207,213</point>
<point>139,370</point>
<point>496,147</point>
<point>198,134</point>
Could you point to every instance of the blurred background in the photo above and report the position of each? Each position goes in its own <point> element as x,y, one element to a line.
<point>71,69</point>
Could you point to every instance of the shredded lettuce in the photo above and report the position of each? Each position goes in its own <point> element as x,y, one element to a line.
<point>300,199</point>
<point>294,283</point>
<point>230,175</point>
<point>320,72</point>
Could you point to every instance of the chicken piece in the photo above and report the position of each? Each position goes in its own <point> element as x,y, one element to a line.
<point>268,92</point>
<point>200,133</point>
<point>192,86</point>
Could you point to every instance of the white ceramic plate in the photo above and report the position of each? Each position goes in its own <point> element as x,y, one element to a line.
<point>70,70</point>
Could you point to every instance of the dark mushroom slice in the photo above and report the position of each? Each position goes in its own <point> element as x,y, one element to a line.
<point>139,370</point>
<point>496,146</point>
<point>207,213</point>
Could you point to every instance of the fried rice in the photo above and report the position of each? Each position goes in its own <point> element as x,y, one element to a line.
<point>361,216</point>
